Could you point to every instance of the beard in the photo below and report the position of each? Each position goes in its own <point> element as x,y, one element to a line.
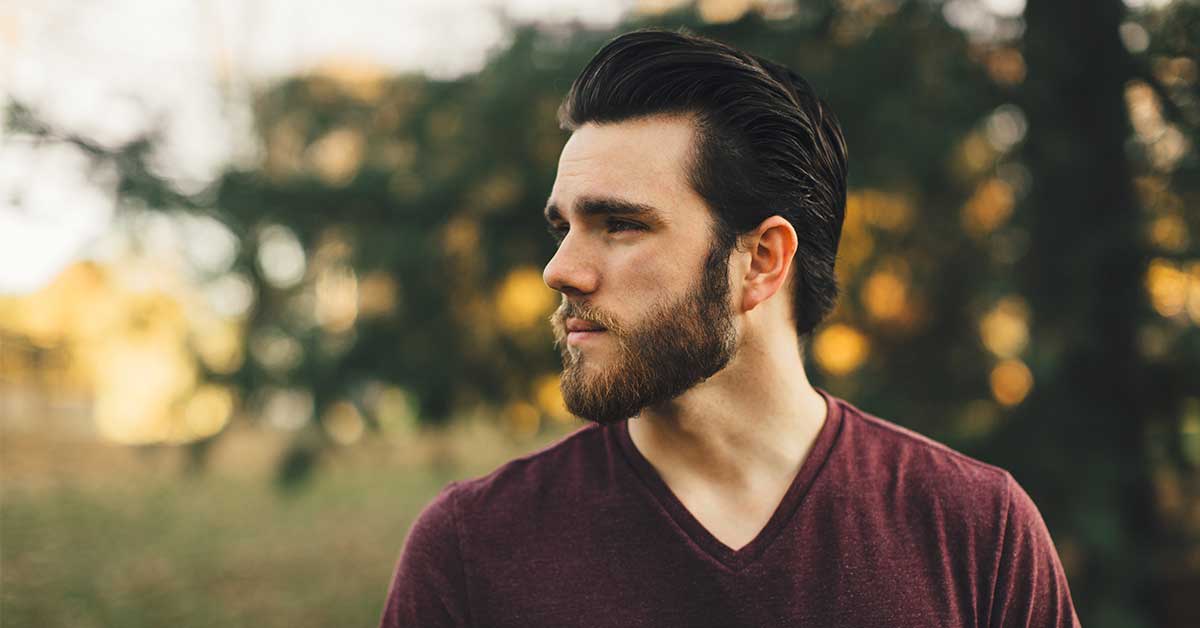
<point>676,346</point>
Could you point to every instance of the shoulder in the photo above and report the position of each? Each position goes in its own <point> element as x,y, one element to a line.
<point>559,471</point>
<point>512,500</point>
<point>435,529</point>
<point>983,524</point>
<point>911,468</point>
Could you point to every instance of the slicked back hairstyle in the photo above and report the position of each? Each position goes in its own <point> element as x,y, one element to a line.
<point>765,143</point>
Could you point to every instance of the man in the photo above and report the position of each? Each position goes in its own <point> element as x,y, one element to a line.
<point>697,210</point>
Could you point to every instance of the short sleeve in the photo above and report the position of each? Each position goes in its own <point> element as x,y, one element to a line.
<point>428,587</point>
<point>1030,585</point>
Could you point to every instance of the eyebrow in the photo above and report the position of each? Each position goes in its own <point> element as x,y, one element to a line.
<point>607,206</point>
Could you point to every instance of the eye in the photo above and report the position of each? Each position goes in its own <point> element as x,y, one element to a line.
<point>623,225</point>
<point>557,232</point>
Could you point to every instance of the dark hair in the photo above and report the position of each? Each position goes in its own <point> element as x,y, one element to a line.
<point>765,144</point>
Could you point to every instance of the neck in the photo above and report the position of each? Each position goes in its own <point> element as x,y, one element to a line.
<point>749,426</point>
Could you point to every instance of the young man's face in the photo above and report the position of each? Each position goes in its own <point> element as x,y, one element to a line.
<point>646,311</point>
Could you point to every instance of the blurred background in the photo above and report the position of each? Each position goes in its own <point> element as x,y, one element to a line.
<point>270,276</point>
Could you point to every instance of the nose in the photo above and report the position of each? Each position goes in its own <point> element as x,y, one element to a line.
<point>571,271</point>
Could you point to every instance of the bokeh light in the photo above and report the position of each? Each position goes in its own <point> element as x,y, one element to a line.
<point>1004,329</point>
<point>1011,382</point>
<point>524,300</point>
<point>841,349</point>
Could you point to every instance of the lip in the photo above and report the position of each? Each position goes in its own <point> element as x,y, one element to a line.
<point>576,337</point>
<point>580,325</point>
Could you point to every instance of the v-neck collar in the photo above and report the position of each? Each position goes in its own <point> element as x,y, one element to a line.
<point>735,560</point>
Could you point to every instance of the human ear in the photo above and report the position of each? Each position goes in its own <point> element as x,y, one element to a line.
<point>772,247</point>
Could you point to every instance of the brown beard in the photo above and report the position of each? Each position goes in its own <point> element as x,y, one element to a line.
<point>676,346</point>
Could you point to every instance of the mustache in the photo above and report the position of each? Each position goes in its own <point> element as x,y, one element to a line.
<point>584,311</point>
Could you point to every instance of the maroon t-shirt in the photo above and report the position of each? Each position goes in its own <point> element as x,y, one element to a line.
<point>881,527</point>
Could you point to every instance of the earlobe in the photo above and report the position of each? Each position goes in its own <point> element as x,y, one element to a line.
<point>772,247</point>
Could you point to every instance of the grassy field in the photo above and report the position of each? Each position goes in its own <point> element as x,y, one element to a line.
<point>99,535</point>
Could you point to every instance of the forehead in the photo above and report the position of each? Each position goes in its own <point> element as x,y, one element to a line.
<point>642,161</point>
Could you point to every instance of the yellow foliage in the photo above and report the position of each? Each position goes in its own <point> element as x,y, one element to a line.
<point>886,210</point>
<point>1011,381</point>
<point>657,7</point>
<point>975,154</point>
<point>139,379</point>
<point>207,412</point>
<point>1169,233</point>
<point>378,294</point>
<point>723,11</point>
<point>988,208</point>
<point>219,344</point>
<point>1156,196</point>
<point>79,303</point>
<point>840,349</point>
<point>979,417</point>
<point>393,408</point>
<point>1193,301</point>
<point>125,334</point>
<point>885,292</point>
<point>1004,329</point>
<point>523,299</point>
<point>285,147</point>
<point>1167,285</point>
<point>1145,112</point>
<point>337,298</point>
<point>548,395</point>
<point>498,190</point>
<point>523,418</point>
<point>343,423</point>
<point>1006,66</point>
<point>461,238</point>
<point>337,156</point>
<point>358,79</point>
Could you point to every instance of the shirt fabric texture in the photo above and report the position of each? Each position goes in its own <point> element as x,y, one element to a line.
<point>880,527</point>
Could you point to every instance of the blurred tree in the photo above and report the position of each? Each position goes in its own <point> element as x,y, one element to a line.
<point>1101,394</point>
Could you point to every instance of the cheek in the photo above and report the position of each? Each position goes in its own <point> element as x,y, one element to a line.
<point>649,273</point>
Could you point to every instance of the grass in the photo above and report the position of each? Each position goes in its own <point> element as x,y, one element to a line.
<point>147,546</point>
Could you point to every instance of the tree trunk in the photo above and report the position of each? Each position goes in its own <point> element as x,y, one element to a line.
<point>1083,276</point>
